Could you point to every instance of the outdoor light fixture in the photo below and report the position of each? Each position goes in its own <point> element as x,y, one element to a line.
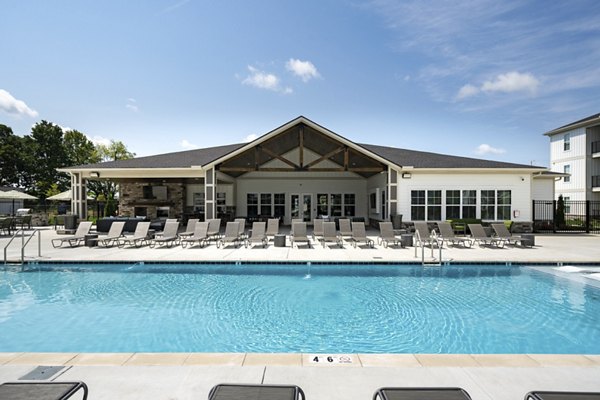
<point>406,175</point>
<point>95,174</point>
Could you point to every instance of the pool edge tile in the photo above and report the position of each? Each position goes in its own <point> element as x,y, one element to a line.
<point>157,359</point>
<point>446,360</point>
<point>5,358</point>
<point>225,359</point>
<point>569,360</point>
<point>389,360</point>
<point>268,359</point>
<point>103,359</point>
<point>505,360</point>
<point>62,359</point>
<point>352,360</point>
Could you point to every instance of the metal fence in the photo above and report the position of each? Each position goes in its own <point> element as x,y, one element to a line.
<point>579,216</point>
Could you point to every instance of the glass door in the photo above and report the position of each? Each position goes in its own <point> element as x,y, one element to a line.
<point>301,206</point>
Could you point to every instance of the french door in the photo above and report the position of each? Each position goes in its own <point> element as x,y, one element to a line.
<point>301,206</point>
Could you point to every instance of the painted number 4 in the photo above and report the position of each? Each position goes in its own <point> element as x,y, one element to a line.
<point>329,359</point>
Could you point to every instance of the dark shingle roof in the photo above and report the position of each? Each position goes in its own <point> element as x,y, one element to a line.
<point>402,157</point>
<point>422,159</point>
<point>581,121</point>
<point>180,159</point>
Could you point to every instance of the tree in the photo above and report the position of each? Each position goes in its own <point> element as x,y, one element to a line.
<point>116,150</point>
<point>80,150</point>
<point>560,213</point>
<point>16,160</point>
<point>49,153</point>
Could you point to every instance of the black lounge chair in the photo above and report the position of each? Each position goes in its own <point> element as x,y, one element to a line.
<point>396,393</point>
<point>259,392</point>
<point>562,396</point>
<point>41,390</point>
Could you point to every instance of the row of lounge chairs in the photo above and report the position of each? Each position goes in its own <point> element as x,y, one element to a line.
<point>501,237</point>
<point>64,390</point>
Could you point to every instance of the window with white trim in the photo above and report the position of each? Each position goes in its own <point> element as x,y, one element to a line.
<point>567,170</point>
<point>426,205</point>
<point>469,204</point>
<point>496,205</point>
<point>267,204</point>
<point>567,142</point>
<point>434,205</point>
<point>417,205</point>
<point>452,204</point>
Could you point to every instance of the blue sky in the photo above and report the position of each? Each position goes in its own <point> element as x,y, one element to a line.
<point>480,78</point>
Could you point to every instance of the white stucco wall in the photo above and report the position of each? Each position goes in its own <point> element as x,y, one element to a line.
<point>542,189</point>
<point>518,183</point>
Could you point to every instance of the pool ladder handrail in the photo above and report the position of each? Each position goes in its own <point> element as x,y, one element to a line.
<point>24,243</point>
<point>438,241</point>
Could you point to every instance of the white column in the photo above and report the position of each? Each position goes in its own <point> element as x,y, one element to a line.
<point>392,192</point>
<point>210,184</point>
<point>79,196</point>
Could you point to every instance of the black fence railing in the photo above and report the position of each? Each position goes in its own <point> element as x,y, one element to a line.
<point>596,147</point>
<point>575,216</point>
<point>596,181</point>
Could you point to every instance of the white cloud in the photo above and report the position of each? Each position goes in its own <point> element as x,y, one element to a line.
<point>187,145</point>
<point>132,105</point>
<point>512,82</point>
<point>99,140</point>
<point>264,80</point>
<point>487,149</point>
<point>10,105</point>
<point>250,137</point>
<point>467,91</point>
<point>303,69</point>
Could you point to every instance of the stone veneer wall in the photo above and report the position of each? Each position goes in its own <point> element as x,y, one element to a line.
<point>132,196</point>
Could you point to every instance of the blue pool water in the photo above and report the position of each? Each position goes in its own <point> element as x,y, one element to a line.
<point>296,308</point>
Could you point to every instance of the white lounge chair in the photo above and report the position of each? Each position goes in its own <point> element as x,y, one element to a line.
<point>386,235</point>
<point>423,236</point>
<point>76,239</point>
<point>190,227</point>
<point>481,238</point>
<point>318,229</point>
<point>272,228</point>
<point>200,235</point>
<point>502,232</point>
<point>330,234</point>
<point>242,227</point>
<point>214,229</point>
<point>139,238</point>
<point>169,236</point>
<point>114,234</point>
<point>299,234</point>
<point>258,235</point>
<point>232,235</point>
<point>345,228</point>
<point>447,235</point>
<point>359,235</point>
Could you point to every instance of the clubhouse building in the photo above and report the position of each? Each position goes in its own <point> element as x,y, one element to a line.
<point>304,170</point>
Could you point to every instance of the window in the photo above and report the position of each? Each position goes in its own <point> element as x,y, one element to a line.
<point>336,205</point>
<point>567,142</point>
<point>349,205</point>
<point>488,204</point>
<point>322,204</point>
<point>469,204</point>
<point>279,205</point>
<point>567,202</point>
<point>417,205</point>
<point>434,205</point>
<point>252,204</point>
<point>504,201</point>
<point>266,207</point>
<point>567,170</point>
<point>452,204</point>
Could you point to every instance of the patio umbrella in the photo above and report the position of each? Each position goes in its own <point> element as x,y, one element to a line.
<point>15,195</point>
<point>64,196</point>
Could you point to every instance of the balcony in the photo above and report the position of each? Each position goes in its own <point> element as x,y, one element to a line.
<point>596,149</point>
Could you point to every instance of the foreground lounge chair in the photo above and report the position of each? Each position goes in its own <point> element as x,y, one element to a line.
<point>345,228</point>
<point>330,234</point>
<point>480,237</point>
<point>318,229</point>
<point>232,235</point>
<point>562,396</point>
<point>386,235</point>
<point>502,232</point>
<point>139,238</point>
<point>214,229</point>
<point>359,235</point>
<point>190,227</point>
<point>200,235</point>
<point>423,236</point>
<point>396,393</point>
<point>258,235</point>
<point>169,236</point>
<point>447,235</point>
<point>258,392</point>
<point>294,220</point>
<point>41,390</point>
<point>299,234</point>
<point>76,239</point>
<point>272,228</point>
<point>242,228</point>
<point>114,234</point>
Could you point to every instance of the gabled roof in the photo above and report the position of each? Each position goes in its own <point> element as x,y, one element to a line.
<point>214,155</point>
<point>591,120</point>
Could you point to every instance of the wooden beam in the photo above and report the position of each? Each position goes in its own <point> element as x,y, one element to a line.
<point>366,169</point>
<point>301,146</point>
<point>278,169</point>
<point>325,157</point>
<point>346,158</point>
<point>277,156</point>
<point>340,169</point>
<point>237,169</point>
<point>256,157</point>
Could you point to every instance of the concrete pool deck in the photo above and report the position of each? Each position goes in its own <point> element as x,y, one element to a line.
<point>191,375</point>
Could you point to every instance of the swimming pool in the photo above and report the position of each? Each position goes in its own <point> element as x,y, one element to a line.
<point>296,308</point>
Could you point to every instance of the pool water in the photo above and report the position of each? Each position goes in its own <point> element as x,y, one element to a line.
<point>296,308</point>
